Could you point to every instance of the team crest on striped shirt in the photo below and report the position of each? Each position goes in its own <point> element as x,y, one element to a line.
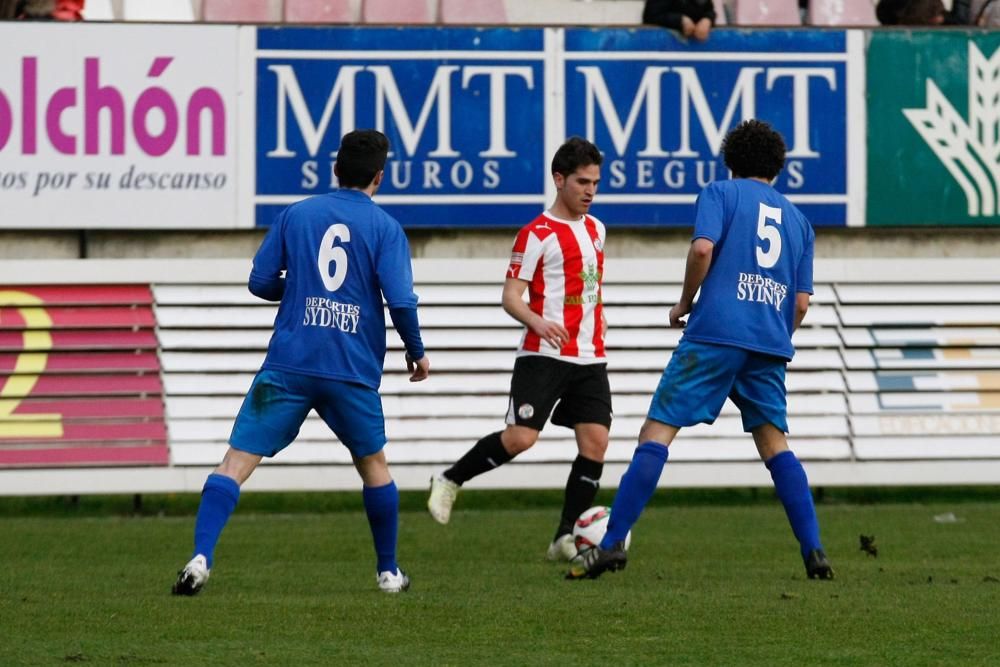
<point>590,276</point>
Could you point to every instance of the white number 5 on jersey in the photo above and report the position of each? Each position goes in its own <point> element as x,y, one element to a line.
<point>332,260</point>
<point>768,258</point>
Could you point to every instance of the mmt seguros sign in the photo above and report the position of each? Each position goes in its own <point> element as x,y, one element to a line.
<point>462,108</point>
<point>659,110</point>
<point>474,116</point>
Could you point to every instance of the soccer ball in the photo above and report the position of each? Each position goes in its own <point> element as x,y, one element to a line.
<point>589,529</point>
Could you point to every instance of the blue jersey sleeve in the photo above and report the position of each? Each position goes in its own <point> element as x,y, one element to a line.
<point>266,281</point>
<point>408,326</point>
<point>709,214</point>
<point>804,273</point>
<point>395,274</point>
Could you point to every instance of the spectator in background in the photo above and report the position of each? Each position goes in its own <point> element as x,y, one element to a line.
<point>961,12</point>
<point>985,13</point>
<point>911,12</point>
<point>691,18</point>
<point>42,10</point>
<point>26,9</point>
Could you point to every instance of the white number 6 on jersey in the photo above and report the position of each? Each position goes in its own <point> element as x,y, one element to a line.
<point>767,259</point>
<point>330,253</point>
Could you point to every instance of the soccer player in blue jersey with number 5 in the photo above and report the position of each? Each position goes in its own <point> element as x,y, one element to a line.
<point>340,255</point>
<point>752,257</point>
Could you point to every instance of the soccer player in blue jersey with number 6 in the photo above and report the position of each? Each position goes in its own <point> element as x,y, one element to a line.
<point>752,257</point>
<point>330,260</point>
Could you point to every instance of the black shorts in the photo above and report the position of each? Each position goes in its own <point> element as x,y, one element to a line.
<point>582,391</point>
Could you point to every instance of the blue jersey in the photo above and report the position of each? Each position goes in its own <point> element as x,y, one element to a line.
<point>341,254</point>
<point>763,256</point>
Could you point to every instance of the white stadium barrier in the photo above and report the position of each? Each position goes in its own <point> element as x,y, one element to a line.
<point>896,379</point>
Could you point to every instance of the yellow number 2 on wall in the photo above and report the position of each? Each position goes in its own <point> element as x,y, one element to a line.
<point>27,370</point>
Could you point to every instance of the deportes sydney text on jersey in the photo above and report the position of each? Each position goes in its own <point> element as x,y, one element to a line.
<point>341,254</point>
<point>763,255</point>
<point>563,264</point>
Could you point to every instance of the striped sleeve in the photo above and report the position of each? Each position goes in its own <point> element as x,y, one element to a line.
<point>525,255</point>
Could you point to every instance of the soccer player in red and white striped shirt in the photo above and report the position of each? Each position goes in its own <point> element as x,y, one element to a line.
<point>558,259</point>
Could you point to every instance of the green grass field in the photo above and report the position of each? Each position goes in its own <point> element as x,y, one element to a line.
<point>710,581</point>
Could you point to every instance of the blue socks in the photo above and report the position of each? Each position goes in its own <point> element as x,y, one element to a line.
<point>220,495</point>
<point>636,488</point>
<point>218,500</point>
<point>382,506</point>
<point>640,480</point>
<point>792,487</point>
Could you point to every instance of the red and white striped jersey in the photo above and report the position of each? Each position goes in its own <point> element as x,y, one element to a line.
<point>563,263</point>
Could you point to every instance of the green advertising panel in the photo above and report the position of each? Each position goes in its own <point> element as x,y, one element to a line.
<point>934,128</point>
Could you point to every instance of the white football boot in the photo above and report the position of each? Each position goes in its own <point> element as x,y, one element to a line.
<point>563,548</point>
<point>191,579</point>
<point>443,494</point>
<point>393,582</point>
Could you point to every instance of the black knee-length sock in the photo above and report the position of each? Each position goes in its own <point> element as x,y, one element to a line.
<point>484,456</point>
<point>581,489</point>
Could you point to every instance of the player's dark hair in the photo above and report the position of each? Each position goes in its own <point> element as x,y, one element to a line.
<point>753,149</point>
<point>575,153</point>
<point>361,155</point>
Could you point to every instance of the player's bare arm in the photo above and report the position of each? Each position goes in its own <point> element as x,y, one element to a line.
<point>801,306</point>
<point>699,260</point>
<point>514,304</point>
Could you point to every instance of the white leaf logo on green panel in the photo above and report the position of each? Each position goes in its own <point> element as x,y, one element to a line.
<point>969,150</point>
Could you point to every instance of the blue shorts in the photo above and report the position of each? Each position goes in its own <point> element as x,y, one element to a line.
<point>278,402</point>
<point>700,376</point>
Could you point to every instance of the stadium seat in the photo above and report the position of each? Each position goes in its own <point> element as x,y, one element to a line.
<point>242,11</point>
<point>100,390</point>
<point>98,10</point>
<point>721,9</point>
<point>393,11</point>
<point>322,11</point>
<point>575,12</point>
<point>843,12</point>
<point>473,12</point>
<point>158,10</point>
<point>897,371</point>
<point>766,12</point>
<point>67,10</point>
